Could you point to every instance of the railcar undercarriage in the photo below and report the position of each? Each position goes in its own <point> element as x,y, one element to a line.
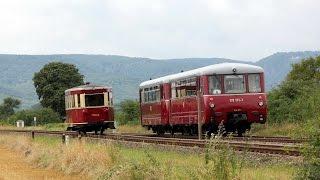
<point>97,128</point>
<point>235,126</point>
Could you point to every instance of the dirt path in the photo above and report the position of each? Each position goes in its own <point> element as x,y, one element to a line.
<point>12,166</point>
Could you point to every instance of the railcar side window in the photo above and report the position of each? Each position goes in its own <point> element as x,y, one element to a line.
<point>215,84</point>
<point>107,98</point>
<point>183,88</point>
<point>73,101</point>
<point>78,96</point>
<point>151,94</point>
<point>234,84</point>
<point>254,83</point>
<point>94,100</point>
<point>66,102</point>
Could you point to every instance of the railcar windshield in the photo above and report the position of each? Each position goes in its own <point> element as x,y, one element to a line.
<point>254,83</point>
<point>215,84</point>
<point>234,84</point>
<point>94,100</point>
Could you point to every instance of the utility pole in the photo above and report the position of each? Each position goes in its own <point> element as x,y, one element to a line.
<point>199,95</point>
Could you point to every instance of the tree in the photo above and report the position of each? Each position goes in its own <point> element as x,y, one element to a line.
<point>44,116</point>
<point>298,97</point>
<point>129,112</point>
<point>306,70</point>
<point>8,106</point>
<point>51,82</point>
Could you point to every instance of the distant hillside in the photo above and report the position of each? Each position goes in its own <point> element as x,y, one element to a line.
<point>124,74</point>
<point>279,64</point>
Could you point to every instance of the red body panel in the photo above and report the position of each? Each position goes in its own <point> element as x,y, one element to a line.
<point>90,115</point>
<point>244,103</point>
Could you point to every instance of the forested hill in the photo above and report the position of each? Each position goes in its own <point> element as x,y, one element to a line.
<point>122,73</point>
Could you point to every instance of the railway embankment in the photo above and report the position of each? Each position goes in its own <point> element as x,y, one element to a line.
<point>113,160</point>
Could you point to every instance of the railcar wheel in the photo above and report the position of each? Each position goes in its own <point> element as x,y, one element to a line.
<point>172,131</point>
<point>96,131</point>
<point>82,133</point>
<point>102,130</point>
<point>160,132</point>
<point>240,131</point>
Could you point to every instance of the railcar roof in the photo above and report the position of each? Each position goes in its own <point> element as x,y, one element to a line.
<point>87,87</point>
<point>222,68</point>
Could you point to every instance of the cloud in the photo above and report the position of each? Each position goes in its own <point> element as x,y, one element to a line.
<point>246,29</point>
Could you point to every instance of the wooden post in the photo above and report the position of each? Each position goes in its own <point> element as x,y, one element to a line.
<point>199,114</point>
<point>63,139</point>
<point>32,134</point>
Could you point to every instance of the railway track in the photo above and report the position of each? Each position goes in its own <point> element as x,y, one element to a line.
<point>249,144</point>
<point>235,138</point>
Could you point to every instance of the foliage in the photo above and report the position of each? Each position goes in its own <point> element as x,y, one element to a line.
<point>221,161</point>
<point>297,98</point>
<point>311,163</point>
<point>44,116</point>
<point>129,112</point>
<point>8,106</point>
<point>51,82</point>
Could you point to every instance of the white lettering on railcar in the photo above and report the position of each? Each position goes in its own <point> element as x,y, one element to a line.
<point>236,100</point>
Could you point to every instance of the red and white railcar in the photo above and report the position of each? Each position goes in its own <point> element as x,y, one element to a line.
<point>232,94</point>
<point>89,108</point>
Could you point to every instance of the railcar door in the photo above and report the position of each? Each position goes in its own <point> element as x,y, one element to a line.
<point>176,105</point>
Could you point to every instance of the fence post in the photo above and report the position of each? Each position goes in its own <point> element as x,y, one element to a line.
<point>63,138</point>
<point>32,134</point>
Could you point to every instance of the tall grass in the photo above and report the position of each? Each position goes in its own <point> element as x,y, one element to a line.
<point>112,161</point>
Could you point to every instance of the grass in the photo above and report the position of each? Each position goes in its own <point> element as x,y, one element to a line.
<point>49,127</point>
<point>132,129</point>
<point>294,130</point>
<point>113,161</point>
<point>283,172</point>
<point>62,126</point>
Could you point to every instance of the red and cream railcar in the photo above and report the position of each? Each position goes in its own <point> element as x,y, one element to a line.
<point>89,108</point>
<point>232,94</point>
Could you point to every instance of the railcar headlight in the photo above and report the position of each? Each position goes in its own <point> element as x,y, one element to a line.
<point>260,103</point>
<point>212,105</point>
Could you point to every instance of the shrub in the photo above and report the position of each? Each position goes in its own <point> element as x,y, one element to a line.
<point>8,107</point>
<point>311,162</point>
<point>44,116</point>
<point>128,113</point>
<point>297,98</point>
<point>221,161</point>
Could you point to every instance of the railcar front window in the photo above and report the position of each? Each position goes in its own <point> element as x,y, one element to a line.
<point>94,100</point>
<point>234,84</point>
<point>214,84</point>
<point>254,83</point>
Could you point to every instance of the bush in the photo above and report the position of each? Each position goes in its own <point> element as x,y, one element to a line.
<point>311,163</point>
<point>44,116</point>
<point>297,98</point>
<point>288,106</point>
<point>8,107</point>
<point>128,113</point>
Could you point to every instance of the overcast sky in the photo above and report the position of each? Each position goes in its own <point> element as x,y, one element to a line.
<point>236,29</point>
